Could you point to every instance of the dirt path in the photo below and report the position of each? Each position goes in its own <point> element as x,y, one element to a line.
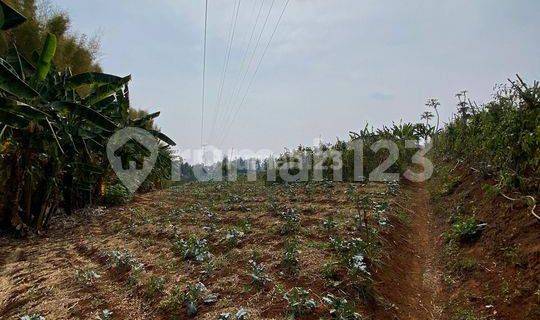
<point>411,279</point>
<point>425,275</point>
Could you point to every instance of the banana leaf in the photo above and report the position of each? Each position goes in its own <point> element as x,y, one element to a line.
<point>92,78</point>
<point>86,113</point>
<point>45,59</point>
<point>23,67</point>
<point>9,17</point>
<point>145,119</point>
<point>161,136</point>
<point>21,109</point>
<point>13,84</point>
<point>13,120</point>
<point>105,91</point>
<point>104,104</point>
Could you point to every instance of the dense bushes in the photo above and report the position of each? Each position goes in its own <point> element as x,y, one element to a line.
<point>54,127</point>
<point>368,144</point>
<point>116,194</point>
<point>501,138</point>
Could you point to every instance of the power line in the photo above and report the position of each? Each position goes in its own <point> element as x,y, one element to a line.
<point>226,119</point>
<point>232,32</point>
<point>256,70</point>
<point>242,64</point>
<point>204,70</point>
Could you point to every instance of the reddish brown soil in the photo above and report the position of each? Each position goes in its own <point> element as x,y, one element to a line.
<point>416,278</point>
<point>37,275</point>
<point>498,275</point>
<point>411,278</point>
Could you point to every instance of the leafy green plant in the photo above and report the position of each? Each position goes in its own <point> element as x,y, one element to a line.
<point>123,261</point>
<point>54,128</point>
<point>192,249</point>
<point>233,237</point>
<point>190,299</point>
<point>300,302</point>
<point>330,271</point>
<point>155,286</point>
<point>466,229</point>
<point>329,223</point>
<point>291,222</point>
<point>241,314</point>
<point>291,261</point>
<point>116,195</point>
<point>340,308</point>
<point>258,274</point>
<point>499,139</point>
<point>87,277</point>
<point>34,316</point>
<point>105,315</point>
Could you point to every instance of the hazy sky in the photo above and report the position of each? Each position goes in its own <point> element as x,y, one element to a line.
<point>332,67</point>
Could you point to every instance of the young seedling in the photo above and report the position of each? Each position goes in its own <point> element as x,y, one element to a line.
<point>233,237</point>
<point>105,314</point>
<point>123,261</point>
<point>192,249</point>
<point>291,222</point>
<point>258,275</point>
<point>300,303</point>
<point>34,316</point>
<point>155,286</point>
<point>87,277</point>
<point>290,261</point>
<point>340,308</point>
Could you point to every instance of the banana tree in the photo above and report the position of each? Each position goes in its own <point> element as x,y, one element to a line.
<point>54,127</point>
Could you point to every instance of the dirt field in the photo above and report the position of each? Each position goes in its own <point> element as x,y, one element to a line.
<point>205,251</point>
<point>129,260</point>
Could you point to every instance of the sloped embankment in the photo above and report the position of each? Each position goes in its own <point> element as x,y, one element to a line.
<point>490,248</point>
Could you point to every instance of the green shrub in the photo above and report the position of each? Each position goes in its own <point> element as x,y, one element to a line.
<point>155,286</point>
<point>116,195</point>
<point>501,138</point>
<point>466,230</point>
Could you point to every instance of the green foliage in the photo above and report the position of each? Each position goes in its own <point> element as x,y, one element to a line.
<point>105,315</point>
<point>464,314</point>
<point>329,223</point>
<point>34,316</point>
<point>466,229</point>
<point>74,51</point>
<point>55,127</point>
<point>233,237</point>
<point>87,277</point>
<point>44,63</point>
<point>258,274</point>
<point>123,261</point>
<point>290,261</point>
<point>192,249</point>
<point>192,298</point>
<point>241,314</point>
<point>291,222</point>
<point>300,303</point>
<point>500,138</point>
<point>340,308</point>
<point>116,195</point>
<point>9,17</point>
<point>155,286</point>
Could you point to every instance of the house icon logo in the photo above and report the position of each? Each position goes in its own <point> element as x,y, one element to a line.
<point>132,153</point>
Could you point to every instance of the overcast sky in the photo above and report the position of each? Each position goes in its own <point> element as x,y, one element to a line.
<point>332,67</point>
